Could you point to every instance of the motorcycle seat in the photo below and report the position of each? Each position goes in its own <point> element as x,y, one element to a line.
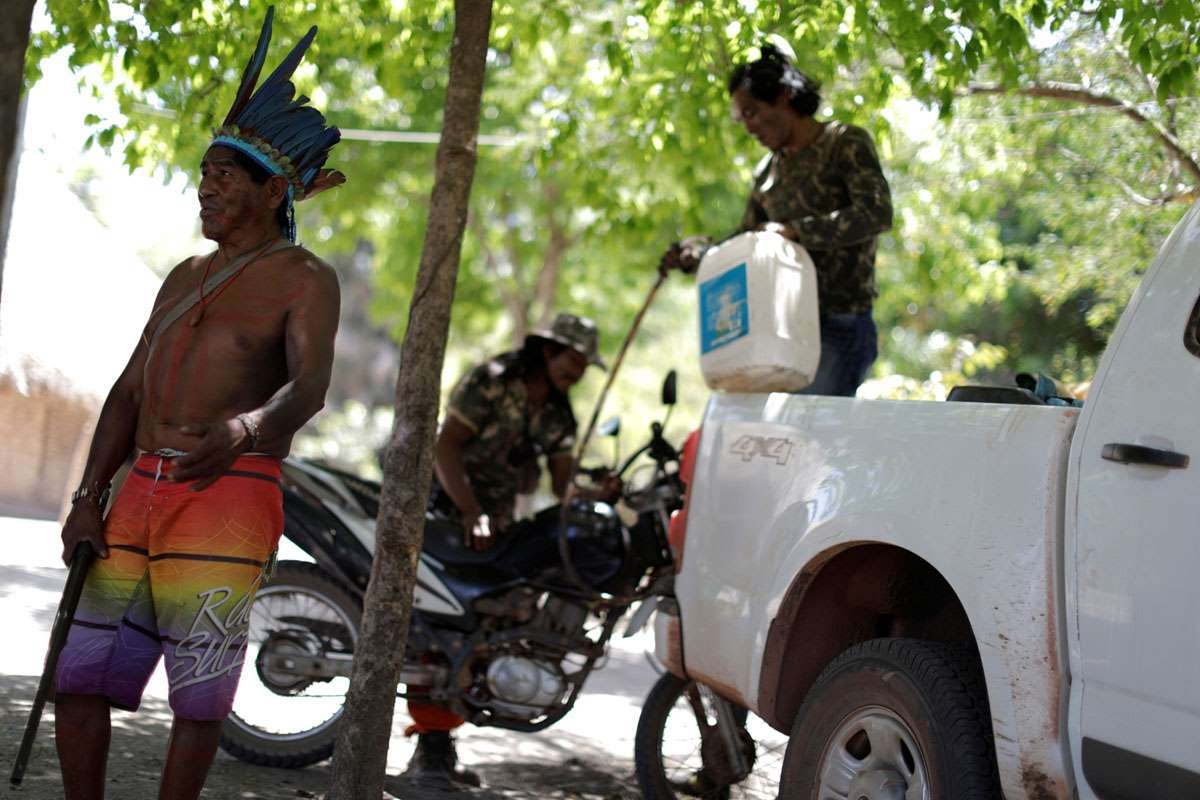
<point>527,551</point>
<point>444,542</point>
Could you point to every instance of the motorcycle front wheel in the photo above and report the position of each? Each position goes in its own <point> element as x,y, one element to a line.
<point>678,751</point>
<point>281,719</point>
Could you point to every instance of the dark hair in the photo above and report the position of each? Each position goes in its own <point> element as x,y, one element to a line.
<point>772,74</point>
<point>537,351</point>
<point>534,354</point>
<point>260,175</point>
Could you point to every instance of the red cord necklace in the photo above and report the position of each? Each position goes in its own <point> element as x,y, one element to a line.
<point>205,301</point>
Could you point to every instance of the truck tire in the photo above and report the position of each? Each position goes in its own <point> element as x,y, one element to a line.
<point>302,601</point>
<point>894,718</point>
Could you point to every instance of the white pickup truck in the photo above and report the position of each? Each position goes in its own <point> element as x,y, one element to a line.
<point>963,599</point>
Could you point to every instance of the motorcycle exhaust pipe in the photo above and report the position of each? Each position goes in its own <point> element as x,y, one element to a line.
<point>338,665</point>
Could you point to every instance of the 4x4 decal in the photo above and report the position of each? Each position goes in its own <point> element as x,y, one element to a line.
<point>773,447</point>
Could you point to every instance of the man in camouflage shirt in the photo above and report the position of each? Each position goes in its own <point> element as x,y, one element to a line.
<point>821,186</point>
<point>493,402</point>
<point>504,414</point>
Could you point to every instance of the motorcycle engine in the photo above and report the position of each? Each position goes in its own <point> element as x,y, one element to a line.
<point>524,687</point>
<point>560,616</point>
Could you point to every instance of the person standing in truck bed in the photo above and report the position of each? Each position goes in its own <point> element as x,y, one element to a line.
<point>822,187</point>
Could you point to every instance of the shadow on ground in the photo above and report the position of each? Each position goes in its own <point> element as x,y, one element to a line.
<point>44,583</point>
<point>567,767</point>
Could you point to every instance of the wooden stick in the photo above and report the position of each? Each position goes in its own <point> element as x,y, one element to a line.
<point>612,373</point>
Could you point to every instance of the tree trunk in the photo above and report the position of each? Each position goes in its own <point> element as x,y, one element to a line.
<point>360,758</point>
<point>547,282</point>
<point>14,39</point>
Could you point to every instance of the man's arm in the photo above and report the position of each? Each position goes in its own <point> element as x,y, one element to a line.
<point>452,470</point>
<point>869,212</point>
<point>755,216</point>
<point>310,329</point>
<point>528,475</point>
<point>685,255</point>
<point>608,489</point>
<point>116,431</point>
<point>111,445</point>
<point>559,465</point>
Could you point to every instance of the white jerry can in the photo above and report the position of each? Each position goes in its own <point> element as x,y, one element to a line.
<point>759,325</point>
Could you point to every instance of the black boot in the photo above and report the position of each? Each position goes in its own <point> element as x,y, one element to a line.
<point>434,763</point>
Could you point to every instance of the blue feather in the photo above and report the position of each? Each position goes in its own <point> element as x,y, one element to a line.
<point>283,73</point>
<point>253,68</point>
<point>315,156</point>
<point>272,111</point>
<point>267,103</point>
<point>301,129</point>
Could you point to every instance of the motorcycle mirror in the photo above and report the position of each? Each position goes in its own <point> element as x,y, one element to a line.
<point>668,389</point>
<point>610,427</point>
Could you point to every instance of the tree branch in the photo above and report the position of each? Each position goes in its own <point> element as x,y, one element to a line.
<point>547,283</point>
<point>513,299</point>
<point>546,288</point>
<point>512,252</point>
<point>1182,196</point>
<point>1075,93</point>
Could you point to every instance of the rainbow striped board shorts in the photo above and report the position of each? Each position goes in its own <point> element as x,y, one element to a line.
<point>179,581</point>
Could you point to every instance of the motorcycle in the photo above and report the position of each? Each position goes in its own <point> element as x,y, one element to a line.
<point>505,637</point>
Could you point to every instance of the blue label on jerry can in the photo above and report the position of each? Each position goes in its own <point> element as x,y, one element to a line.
<point>724,312</point>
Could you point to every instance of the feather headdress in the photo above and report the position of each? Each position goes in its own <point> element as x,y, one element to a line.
<point>279,130</point>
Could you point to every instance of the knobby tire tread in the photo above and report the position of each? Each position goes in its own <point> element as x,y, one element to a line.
<point>293,573</point>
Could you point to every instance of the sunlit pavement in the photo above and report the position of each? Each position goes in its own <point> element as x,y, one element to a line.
<point>587,754</point>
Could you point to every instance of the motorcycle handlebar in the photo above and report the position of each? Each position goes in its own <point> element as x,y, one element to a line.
<point>596,474</point>
<point>662,452</point>
<point>658,448</point>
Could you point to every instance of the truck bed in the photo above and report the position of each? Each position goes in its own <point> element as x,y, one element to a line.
<point>784,482</point>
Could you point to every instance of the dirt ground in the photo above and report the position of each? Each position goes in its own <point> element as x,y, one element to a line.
<point>581,772</point>
<point>586,756</point>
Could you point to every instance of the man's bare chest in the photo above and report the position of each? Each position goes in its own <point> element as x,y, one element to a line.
<point>243,322</point>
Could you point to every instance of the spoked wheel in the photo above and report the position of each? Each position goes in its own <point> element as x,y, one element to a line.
<point>680,751</point>
<point>281,717</point>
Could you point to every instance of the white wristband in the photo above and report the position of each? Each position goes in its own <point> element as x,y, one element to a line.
<point>252,429</point>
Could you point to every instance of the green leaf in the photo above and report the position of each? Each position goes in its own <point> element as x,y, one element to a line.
<point>625,143</point>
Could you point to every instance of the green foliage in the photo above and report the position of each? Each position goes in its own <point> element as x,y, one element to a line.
<point>1021,225</point>
<point>1027,223</point>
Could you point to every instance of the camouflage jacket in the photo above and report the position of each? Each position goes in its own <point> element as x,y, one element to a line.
<point>834,198</point>
<point>491,400</point>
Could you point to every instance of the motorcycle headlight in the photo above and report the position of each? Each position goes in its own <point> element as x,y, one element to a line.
<point>596,543</point>
<point>591,520</point>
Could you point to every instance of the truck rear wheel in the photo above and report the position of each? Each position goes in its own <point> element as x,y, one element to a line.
<point>894,719</point>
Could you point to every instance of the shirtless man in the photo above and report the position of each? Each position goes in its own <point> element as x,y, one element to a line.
<point>210,399</point>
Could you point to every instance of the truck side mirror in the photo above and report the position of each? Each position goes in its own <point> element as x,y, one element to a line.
<point>668,390</point>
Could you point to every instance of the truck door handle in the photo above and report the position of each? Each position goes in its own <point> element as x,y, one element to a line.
<point>1140,454</point>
